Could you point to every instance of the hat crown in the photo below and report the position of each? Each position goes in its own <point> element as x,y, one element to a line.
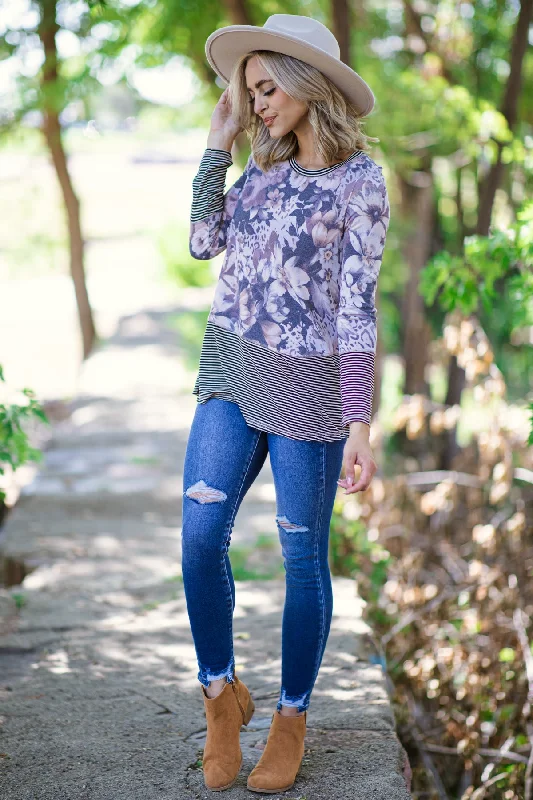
<point>305,28</point>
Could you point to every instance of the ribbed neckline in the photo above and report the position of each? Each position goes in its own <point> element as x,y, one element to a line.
<point>304,171</point>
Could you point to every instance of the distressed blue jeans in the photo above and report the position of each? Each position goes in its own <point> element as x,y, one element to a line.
<point>224,456</point>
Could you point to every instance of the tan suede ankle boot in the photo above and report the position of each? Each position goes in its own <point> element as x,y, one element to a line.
<point>280,760</point>
<point>225,713</point>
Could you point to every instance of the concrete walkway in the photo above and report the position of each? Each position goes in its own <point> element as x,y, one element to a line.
<point>98,691</point>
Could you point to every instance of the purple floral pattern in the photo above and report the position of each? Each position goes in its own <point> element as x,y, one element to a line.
<point>303,254</point>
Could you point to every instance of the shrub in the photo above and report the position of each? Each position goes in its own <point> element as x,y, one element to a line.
<point>15,448</point>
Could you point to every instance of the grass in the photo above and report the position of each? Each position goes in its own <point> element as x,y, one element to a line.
<point>266,541</point>
<point>153,604</point>
<point>239,557</point>
<point>19,599</point>
<point>145,461</point>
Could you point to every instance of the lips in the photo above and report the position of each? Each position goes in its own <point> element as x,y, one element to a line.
<point>269,120</point>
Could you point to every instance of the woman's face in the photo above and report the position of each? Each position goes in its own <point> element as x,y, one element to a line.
<point>271,103</point>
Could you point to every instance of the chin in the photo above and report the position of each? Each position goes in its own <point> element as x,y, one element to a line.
<point>277,134</point>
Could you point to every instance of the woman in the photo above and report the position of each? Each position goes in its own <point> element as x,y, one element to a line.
<point>287,362</point>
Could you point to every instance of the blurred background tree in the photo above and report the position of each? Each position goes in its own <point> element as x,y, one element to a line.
<point>441,545</point>
<point>31,35</point>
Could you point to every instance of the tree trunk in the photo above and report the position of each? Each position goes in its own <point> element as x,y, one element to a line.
<point>509,108</point>
<point>341,27</point>
<point>456,384</point>
<point>487,193</point>
<point>418,206</point>
<point>238,12</point>
<point>52,133</point>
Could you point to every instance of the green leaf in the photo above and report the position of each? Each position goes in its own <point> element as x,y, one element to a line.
<point>20,599</point>
<point>506,654</point>
<point>507,711</point>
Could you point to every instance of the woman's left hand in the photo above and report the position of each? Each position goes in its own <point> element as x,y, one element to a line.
<point>357,450</point>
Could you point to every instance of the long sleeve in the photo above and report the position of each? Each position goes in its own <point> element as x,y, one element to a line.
<point>211,209</point>
<point>366,223</point>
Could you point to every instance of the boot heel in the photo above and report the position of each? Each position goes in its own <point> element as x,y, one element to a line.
<point>249,711</point>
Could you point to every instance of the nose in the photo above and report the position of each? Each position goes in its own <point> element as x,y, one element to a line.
<point>260,105</point>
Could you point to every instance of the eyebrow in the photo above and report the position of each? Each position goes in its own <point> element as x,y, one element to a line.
<point>260,83</point>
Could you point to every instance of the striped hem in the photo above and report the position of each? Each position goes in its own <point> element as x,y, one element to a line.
<point>294,396</point>
<point>297,397</point>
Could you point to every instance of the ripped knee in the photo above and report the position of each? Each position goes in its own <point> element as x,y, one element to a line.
<point>202,493</point>
<point>287,525</point>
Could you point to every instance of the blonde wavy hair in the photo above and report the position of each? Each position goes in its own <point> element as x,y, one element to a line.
<point>336,122</point>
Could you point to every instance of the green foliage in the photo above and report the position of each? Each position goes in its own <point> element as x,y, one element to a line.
<point>103,30</point>
<point>353,554</point>
<point>190,326</point>
<point>474,279</point>
<point>494,280</point>
<point>244,570</point>
<point>507,655</point>
<point>20,599</point>
<point>15,449</point>
<point>180,266</point>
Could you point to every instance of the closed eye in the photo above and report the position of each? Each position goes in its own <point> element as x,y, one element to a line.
<point>265,94</point>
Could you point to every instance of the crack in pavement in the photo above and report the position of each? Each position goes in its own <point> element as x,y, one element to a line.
<point>166,710</point>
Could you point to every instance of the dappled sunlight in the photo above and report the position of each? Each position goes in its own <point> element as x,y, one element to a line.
<point>104,544</point>
<point>118,599</point>
<point>350,625</point>
<point>266,492</point>
<point>253,598</point>
<point>106,290</point>
<point>57,662</point>
<point>109,494</point>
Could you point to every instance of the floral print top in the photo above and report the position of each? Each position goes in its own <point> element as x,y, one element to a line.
<point>297,288</point>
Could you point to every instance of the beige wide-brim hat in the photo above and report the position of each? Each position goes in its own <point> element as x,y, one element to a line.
<point>293,35</point>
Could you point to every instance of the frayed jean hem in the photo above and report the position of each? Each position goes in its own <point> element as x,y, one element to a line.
<point>205,676</point>
<point>300,702</point>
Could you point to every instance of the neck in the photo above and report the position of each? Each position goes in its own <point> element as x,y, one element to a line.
<point>306,154</point>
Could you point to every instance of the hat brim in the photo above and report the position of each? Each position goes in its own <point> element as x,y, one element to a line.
<point>226,45</point>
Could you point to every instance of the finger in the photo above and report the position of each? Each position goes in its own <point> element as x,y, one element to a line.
<point>367,472</point>
<point>349,473</point>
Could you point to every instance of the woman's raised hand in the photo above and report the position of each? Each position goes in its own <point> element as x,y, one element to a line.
<point>224,129</point>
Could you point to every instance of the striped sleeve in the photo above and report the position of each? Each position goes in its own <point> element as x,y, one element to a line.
<point>211,208</point>
<point>363,242</point>
<point>208,183</point>
<point>357,386</point>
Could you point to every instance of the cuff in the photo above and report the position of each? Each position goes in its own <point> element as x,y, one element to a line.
<point>357,375</point>
<point>209,183</point>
